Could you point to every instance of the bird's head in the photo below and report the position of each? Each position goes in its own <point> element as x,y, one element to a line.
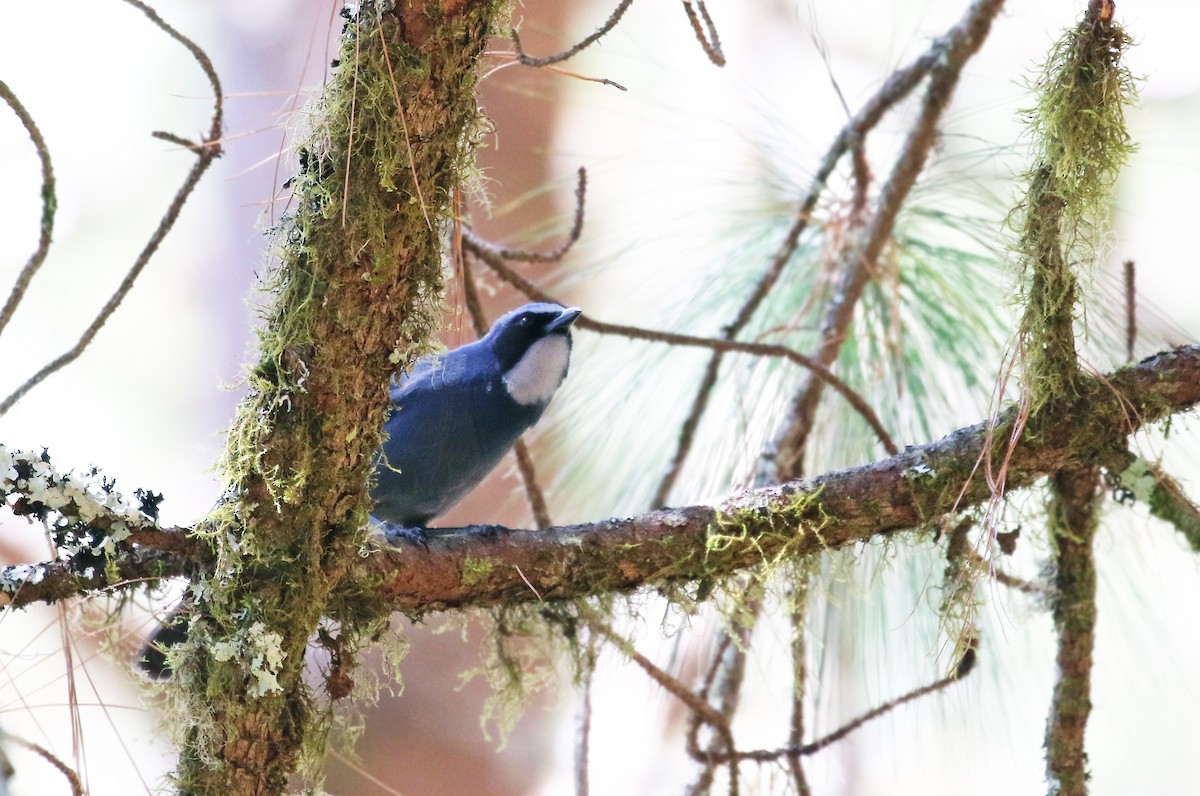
<point>532,345</point>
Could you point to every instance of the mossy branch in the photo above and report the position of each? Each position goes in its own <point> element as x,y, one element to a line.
<point>1139,480</point>
<point>1074,515</point>
<point>834,510</point>
<point>907,491</point>
<point>1080,145</point>
<point>354,295</point>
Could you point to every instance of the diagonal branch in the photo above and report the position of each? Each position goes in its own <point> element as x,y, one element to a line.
<point>952,51</point>
<point>491,257</point>
<point>206,152</point>
<point>49,206</point>
<point>898,86</point>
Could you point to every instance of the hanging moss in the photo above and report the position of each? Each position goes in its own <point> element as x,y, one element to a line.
<point>1080,143</point>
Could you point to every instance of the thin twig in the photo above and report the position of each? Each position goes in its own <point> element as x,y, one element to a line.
<point>965,665</point>
<point>710,676</point>
<point>898,85</point>
<point>205,155</point>
<point>533,490</point>
<point>488,254</point>
<point>49,206</point>
<point>554,255</point>
<point>700,707</point>
<point>479,321</point>
<point>1131,309</point>
<point>604,81</point>
<point>798,616</point>
<point>546,60</point>
<point>45,754</point>
<point>950,54</point>
<point>210,72</point>
<point>723,687</point>
<point>175,138</point>
<point>583,721</point>
<point>672,685</point>
<point>703,783</point>
<point>707,35</point>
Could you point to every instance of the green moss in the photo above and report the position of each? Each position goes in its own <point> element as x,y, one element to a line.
<point>523,644</point>
<point>786,527</point>
<point>1080,143</point>
<point>356,289</point>
<point>476,571</point>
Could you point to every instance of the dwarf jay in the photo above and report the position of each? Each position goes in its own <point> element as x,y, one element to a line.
<point>453,418</point>
<point>455,415</point>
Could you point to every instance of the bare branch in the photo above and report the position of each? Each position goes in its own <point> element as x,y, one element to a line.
<point>965,666</point>
<point>487,254</point>
<point>710,42</point>
<point>951,53</point>
<point>546,60</point>
<point>533,489</point>
<point>68,772</point>
<point>484,248</point>
<point>206,153</point>
<point>49,206</point>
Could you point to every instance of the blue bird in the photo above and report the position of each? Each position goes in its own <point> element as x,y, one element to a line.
<point>455,415</point>
<point>453,418</point>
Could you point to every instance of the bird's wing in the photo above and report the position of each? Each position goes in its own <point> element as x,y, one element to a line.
<point>434,373</point>
<point>434,441</point>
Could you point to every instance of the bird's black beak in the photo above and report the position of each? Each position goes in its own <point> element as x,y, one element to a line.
<point>564,320</point>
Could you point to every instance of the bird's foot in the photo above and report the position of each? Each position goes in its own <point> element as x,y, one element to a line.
<point>485,531</point>
<point>396,534</point>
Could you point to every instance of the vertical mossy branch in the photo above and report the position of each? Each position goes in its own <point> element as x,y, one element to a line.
<point>355,294</point>
<point>1074,513</point>
<point>1080,145</point>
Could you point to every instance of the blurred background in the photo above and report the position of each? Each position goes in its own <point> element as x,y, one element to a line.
<point>691,174</point>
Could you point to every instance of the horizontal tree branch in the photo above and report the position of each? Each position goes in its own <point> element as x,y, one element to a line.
<point>830,511</point>
<point>483,566</point>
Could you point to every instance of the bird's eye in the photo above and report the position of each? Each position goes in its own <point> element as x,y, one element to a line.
<point>525,319</point>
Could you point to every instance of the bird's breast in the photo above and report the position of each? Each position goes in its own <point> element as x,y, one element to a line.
<point>538,374</point>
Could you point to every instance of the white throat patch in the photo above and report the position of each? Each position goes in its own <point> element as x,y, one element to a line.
<point>539,373</point>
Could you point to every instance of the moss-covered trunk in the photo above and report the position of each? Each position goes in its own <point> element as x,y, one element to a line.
<point>354,295</point>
